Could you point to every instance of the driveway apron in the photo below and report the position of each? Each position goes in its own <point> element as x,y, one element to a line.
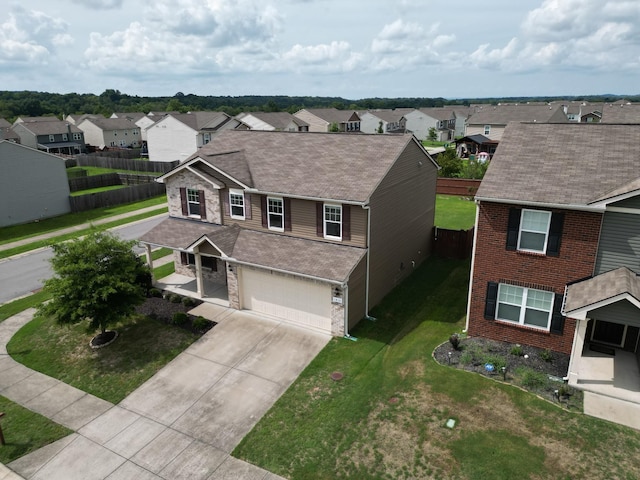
<point>182,423</point>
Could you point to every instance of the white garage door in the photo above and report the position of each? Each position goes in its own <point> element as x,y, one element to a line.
<point>294,299</point>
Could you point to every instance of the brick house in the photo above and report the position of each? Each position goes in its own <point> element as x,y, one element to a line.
<point>311,228</point>
<point>557,251</point>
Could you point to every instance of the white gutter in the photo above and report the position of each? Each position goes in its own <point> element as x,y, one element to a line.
<point>580,207</point>
<point>473,261</point>
<point>287,272</point>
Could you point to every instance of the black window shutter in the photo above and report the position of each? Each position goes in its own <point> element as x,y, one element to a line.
<point>263,203</point>
<point>203,205</point>
<point>183,258</point>
<point>512,228</point>
<point>346,222</point>
<point>319,219</point>
<point>557,320</point>
<point>555,234</point>
<point>247,206</point>
<point>491,301</point>
<point>183,201</point>
<point>287,214</point>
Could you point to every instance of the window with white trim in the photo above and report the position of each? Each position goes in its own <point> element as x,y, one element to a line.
<point>534,230</point>
<point>236,204</point>
<point>275,214</point>
<point>65,137</point>
<point>487,129</point>
<point>52,138</point>
<point>524,306</point>
<point>193,202</point>
<point>333,222</point>
<point>77,136</point>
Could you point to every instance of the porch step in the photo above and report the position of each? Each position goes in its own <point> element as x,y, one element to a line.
<point>612,409</point>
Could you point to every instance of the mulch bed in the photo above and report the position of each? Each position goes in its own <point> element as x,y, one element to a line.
<point>163,310</point>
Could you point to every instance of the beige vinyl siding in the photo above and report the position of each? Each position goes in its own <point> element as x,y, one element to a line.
<point>303,220</point>
<point>619,244</point>
<point>402,212</point>
<point>495,134</point>
<point>316,124</point>
<point>357,285</point>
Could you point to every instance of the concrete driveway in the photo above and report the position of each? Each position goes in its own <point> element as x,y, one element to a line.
<point>184,421</point>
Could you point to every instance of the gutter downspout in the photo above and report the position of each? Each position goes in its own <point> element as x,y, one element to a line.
<point>345,290</point>
<point>473,262</point>
<point>367,276</point>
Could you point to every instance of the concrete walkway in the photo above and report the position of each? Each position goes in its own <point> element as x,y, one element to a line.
<point>76,228</point>
<point>181,424</point>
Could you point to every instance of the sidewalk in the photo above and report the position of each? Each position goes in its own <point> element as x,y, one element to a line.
<point>76,228</point>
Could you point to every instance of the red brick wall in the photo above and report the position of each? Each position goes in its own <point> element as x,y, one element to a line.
<point>494,263</point>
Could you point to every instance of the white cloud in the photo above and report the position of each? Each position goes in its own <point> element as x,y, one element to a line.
<point>336,56</point>
<point>99,4</point>
<point>30,36</point>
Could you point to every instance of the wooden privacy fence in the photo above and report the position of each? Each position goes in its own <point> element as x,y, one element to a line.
<point>464,187</point>
<point>452,243</point>
<point>130,164</point>
<point>106,180</point>
<point>134,193</point>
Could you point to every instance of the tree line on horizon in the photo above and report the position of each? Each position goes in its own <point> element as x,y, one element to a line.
<point>35,104</point>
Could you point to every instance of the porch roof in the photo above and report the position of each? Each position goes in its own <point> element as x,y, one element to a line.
<point>319,259</point>
<point>602,290</point>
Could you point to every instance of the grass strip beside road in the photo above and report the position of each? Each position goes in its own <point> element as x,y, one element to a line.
<point>16,306</point>
<point>68,236</point>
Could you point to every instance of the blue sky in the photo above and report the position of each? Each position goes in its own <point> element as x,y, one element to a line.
<point>348,48</point>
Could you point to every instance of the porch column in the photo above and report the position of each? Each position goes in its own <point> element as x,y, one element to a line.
<point>147,252</point>
<point>576,351</point>
<point>199,280</point>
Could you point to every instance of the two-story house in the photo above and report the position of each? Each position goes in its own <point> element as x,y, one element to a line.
<point>557,254</point>
<point>52,136</point>
<point>442,119</point>
<point>383,120</point>
<point>270,121</point>
<point>111,132</point>
<point>176,136</point>
<point>314,229</point>
<point>491,120</point>
<point>329,119</point>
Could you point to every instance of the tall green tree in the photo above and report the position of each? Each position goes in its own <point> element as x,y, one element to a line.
<point>98,278</point>
<point>451,165</point>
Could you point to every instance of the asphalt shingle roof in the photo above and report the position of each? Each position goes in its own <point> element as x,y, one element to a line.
<point>110,124</point>
<point>335,166</point>
<point>563,164</point>
<point>627,113</point>
<point>278,120</point>
<point>601,288</point>
<point>503,114</point>
<point>332,115</point>
<point>49,127</point>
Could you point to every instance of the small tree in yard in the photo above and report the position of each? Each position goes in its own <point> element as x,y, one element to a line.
<point>450,164</point>
<point>99,279</point>
<point>433,134</point>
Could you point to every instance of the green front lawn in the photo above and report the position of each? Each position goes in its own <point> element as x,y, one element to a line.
<point>386,418</point>
<point>25,431</point>
<point>454,213</point>
<point>92,171</point>
<point>62,351</point>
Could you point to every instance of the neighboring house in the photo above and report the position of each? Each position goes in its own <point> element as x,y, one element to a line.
<point>557,253</point>
<point>76,119</point>
<point>36,119</point>
<point>621,113</point>
<point>422,120</point>
<point>178,136</point>
<point>491,120</point>
<point>53,136</point>
<point>324,119</point>
<point>7,133</point>
<point>313,229</point>
<point>387,120</point>
<point>33,185</point>
<point>474,145</point>
<point>140,119</point>
<point>111,132</point>
<point>271,121</point>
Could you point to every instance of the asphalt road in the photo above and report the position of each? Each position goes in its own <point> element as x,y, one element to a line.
<point>26,273</point>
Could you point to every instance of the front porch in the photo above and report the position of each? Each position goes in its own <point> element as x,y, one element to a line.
<point>187,286</point>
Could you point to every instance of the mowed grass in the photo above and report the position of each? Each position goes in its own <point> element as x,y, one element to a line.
<point>25,431</point>
<point>97,190</point>
<point>454,213</point>
<point>386,418</point>
<point>92,171</point>
<point>111,373</point>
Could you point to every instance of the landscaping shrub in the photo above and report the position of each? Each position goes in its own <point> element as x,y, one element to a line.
<point>546,355</point>
<point>175,298</point>
<point>498,361</point>
<point>188,301</point>
<point>180,318</point>
<point>200,323</point>
<point>517,351</point>
<point>454,340</point>
<point>532,379</point>
<point>154,292</point>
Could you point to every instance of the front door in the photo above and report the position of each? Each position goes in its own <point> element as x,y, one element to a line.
<point>608,333</point>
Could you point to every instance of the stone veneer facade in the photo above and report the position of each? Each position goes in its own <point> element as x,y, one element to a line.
<point>212,196</point>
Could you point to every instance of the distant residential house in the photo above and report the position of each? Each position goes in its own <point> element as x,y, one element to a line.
<point>383,120</point>
<point>53,136</point>
<point>140,119</point>
<point>556,261</point>
<point>324,119</point>
<point>621,113</point>
<point>75,119</point>
<point>311,229</point>
<point>36,119</point>
<point>491,120</point>
<point>111,132</point>
<point>33,185</point>
<point>474,145</point>
<point>421,121</point>
<point>7,133</point>
<point>271,121</point>
<point>178,136</point>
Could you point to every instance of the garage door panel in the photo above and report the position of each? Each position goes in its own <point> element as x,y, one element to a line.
<point>296,300</point>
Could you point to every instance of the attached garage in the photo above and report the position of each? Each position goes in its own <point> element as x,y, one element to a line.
<point>294,299</point>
